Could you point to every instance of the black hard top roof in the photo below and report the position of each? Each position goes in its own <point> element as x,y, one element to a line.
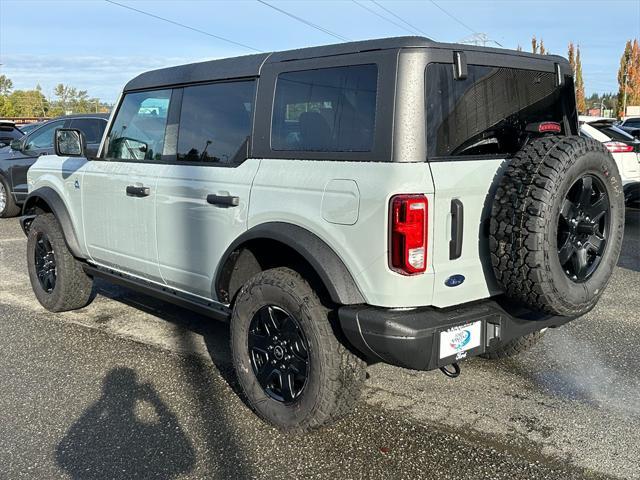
<point>250,65</point>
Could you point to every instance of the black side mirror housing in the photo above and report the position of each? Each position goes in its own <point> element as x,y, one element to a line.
<point>69,142</point>
<point>17,145</point>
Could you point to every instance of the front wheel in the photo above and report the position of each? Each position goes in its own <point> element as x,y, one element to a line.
<point>57,278</point>
<point>295,373</point>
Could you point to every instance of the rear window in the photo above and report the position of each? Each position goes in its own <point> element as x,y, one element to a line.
<point>325,110</point>
<point>614,132</point>
<point>486,113</point>
<point>93,128</point>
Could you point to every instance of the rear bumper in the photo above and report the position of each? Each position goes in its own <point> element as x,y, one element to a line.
<point>411,338</point>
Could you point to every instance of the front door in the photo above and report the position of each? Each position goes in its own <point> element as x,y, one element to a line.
<point>120,188</point>
<point>203,196</point>
<point>39,142</point>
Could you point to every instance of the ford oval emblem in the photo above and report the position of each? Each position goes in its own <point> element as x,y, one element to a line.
<point>454,280</point>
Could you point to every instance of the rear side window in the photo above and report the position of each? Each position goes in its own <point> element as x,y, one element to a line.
<point>137,132</point>
<point>215,122</point>
<point>93,128</point>
<point>325,110</point>
<point>486,113</point>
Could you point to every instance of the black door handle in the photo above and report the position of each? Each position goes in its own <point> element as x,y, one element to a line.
<point>226,200</point>
<point>135,191</point>
<point>457,225</point>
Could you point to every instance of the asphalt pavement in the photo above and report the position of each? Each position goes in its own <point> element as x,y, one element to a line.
<point>131,387</point>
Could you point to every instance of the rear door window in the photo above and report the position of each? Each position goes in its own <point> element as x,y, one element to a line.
<point>215,122</point>
<point>93,128</point>
<point>486,113</point>
<point>137,132</point>
<point>325,110</point>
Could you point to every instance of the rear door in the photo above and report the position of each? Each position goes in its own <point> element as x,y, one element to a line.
<point>203,195</point>
<point>119,188</point>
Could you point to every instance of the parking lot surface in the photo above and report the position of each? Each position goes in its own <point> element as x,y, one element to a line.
<point>131,387</point>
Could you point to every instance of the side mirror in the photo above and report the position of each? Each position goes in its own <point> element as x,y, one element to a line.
<point>69,142</point>
<point>17,145</point>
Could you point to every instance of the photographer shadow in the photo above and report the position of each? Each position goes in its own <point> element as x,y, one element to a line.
<point>127,433</point>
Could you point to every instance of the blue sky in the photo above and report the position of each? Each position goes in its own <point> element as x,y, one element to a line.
<point>97,46</point>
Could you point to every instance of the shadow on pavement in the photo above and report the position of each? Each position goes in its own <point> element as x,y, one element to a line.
<point>128,433</point>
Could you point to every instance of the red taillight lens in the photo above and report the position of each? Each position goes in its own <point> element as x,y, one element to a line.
<point>545,127</point>
<point>618,147</point>
<point>408,224</point>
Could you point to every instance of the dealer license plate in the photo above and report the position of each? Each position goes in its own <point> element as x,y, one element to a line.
<point>459,339</point>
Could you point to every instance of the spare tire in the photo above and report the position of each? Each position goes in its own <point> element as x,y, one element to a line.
<point>557,223</point>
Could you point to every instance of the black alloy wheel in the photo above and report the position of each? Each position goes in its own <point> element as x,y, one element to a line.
<point>279,353</point>
<point>45,263</point>
<point>583,226</point>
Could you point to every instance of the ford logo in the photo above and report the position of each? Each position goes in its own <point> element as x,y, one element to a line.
<point>454,280</point>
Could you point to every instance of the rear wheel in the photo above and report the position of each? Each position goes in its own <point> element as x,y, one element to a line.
<point>294,372</point>
<point>8,207</point>
<point>57,278</point>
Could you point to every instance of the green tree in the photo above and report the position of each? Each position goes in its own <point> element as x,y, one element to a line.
<point>6,85</point>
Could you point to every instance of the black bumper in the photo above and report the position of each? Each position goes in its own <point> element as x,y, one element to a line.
<point>411,338</point>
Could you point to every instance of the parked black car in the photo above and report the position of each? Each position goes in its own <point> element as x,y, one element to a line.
<point>8,132</point>
<point>16,159</point>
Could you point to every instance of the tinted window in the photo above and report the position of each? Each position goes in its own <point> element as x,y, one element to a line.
<point>329,109</point>
<point>137,132</point>
<point>42,138</point>
<point>614,132</point>
<point>215,122</point>
<point>634,122</point>
<point>488,111</point>
<point>93,128</point>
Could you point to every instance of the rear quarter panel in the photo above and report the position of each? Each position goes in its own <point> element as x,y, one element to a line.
<point>310,193</point>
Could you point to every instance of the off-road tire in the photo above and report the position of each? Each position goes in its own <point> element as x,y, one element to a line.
<point>10,209</point>
<point>514,347</point>
<point>524,223</point>
<point>336,376</point>
<point>73,287</point>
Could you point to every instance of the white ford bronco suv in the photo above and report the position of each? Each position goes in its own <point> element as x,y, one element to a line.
<point>395,200</point>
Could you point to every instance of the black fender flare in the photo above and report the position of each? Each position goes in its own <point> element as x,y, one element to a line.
<point>57,206</point>
<point>327,264</point>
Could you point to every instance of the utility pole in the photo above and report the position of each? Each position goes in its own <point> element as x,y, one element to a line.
<point>624,96</point>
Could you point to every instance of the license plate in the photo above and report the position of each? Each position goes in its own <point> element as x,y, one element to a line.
<point>459,339</point>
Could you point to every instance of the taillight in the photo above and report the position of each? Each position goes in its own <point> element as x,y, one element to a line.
<point>618,147</point>
<point>408,225</point>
